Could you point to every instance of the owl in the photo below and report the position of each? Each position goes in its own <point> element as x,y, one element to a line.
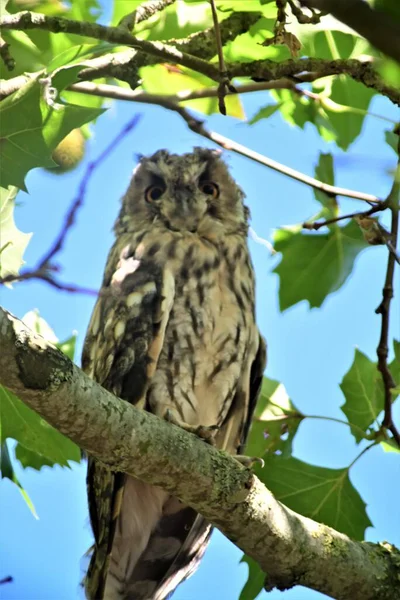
<point>173,332</point>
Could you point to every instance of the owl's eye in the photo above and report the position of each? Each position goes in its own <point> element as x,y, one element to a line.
<point>153,193</point>
<point>209,188</point>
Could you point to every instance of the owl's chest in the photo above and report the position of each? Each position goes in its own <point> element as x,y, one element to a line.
<point>210,328</point>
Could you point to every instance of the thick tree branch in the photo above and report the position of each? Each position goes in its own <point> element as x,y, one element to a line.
<point>125,65</point>
<point>378,27</point>
<point>292,549</point>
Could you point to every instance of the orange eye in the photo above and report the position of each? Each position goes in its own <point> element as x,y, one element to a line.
<point>209,188</point>
<point>153,193</point>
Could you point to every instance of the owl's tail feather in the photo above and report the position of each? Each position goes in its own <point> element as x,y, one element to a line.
<point>172,553</point>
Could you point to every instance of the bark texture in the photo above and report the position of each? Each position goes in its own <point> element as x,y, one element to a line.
<point>291,549</point>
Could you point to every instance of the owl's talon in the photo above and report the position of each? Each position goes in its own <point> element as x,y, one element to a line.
<point>205,432</point>
<point>249,461</point>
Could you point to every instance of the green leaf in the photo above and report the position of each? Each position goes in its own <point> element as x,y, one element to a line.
<point>255,580</point>
<point>390,446</point>
<point>248,47</point>
<point>68,346</point>
<point>325,495</point>
<point>164,79</point>
<point>7,470</point>
<point>31,127</point>
<point>31,459</point>
<point>363,390</point>
<point>265,113</point>
<point>315,265</point>
<point>24,425</point>
<point>299,110</point>
<point>392,139</point>
<point>275,423</point>
<point>348,124</point>
<point>325,173</point>
<point>12,241</point>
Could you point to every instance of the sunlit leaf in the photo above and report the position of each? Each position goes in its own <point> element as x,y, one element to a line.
<point>24,425</point>
<point>32,127</point>
<point>275,423</point>
<point>392,139</point>
<point>315,265</point>
<point>7,470</point>
<point>265,112</point>
<point>249,46</point>
<point>324,172</point>
<point>13,242</point>
<point>255,579</point>
<point>167,79</point>
<point>390,446</point>
<point>363,390</point>
<point>325,495</point>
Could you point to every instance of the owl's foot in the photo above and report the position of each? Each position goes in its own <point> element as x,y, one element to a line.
<point>249,461</point>
<point>206,433</point>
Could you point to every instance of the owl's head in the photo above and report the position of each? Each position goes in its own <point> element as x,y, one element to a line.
<point>192,192</point>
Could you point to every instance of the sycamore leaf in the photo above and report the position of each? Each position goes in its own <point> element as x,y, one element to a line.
<point>325,495</point>
<point>392,139</point>
<point>275,423</point>
<point>265,112</point>
<point>32,126</point>
<point>315,265</point>
<point>390,446</point>
<point>168,79</point>
<point>324,172</point>
<point>12,241</point>
<point>363,390</point>
<point>249,46</point>
<point>24,425</point>
<point>255,579</point>
<point>31,459</point>
<point>7,470</point>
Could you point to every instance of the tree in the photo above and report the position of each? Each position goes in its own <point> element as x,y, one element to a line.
<point>311,72</point>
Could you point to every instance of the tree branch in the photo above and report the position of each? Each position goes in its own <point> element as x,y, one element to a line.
<point>292,549</point>
<point>197,126</point>
<point>125,65</point>
<point>383,309</point>
<point>378,27</point>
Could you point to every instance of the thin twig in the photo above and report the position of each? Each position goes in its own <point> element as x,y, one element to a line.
<point>197,126</point>
<point>318,224</point>
<point>301,17</point>
<point>44,269</point>
<point>7,579</point>
<point>224,84</point>
<point>384,308</point>
<point>78,201</point>
<point>143,12</point>
<point>5,55</point>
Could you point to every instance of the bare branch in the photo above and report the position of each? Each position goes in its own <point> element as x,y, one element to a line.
<point>292,549</point>
<point>376,26</point>
<point>383,309</point>
<point>197,126</point>
<point>143,12</point>
<point>316,225</point>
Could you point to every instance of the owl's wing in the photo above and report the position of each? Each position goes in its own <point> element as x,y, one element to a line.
<point>256,377</point>
<point>121,350</point>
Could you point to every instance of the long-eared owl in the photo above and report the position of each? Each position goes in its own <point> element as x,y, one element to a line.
<point>173,332</point>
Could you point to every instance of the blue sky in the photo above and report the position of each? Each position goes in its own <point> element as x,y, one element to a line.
<point>309,350</point>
